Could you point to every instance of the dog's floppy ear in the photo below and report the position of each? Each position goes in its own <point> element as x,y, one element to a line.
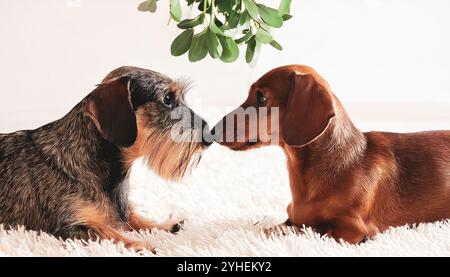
<point>109,106</point>
<point>309,110</point>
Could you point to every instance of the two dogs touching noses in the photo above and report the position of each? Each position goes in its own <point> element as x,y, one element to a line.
<point>68,178</point>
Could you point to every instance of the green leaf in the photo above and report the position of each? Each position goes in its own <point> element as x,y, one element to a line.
<point>250,53</point>
<point>286,17</point>
<point>187,24</point>
<point>213,27</point>
<point>214,47</point>
<point>233,20</point>
<point>218,22</point>
<point>245,38</point>
<point>191,23</point>
<point>244,19</point>
<point>201,6</point>
<point>182,43</point>
<point>198,49</point>
<point>276,45</point>
<point>226,6</point>
<point>230,51</point>
<point>270,16</point>
<point>175,10</point>
<point>148,6</point>
<point>285,7</point>
<point>263,36</point>
<point>251,8</point>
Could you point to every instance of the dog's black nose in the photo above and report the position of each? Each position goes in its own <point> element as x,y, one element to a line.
<point>207,141</point>
<point>207,138</point>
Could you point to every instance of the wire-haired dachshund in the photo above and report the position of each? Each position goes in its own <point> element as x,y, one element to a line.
<point>67,177</point>
<point>345,183</point>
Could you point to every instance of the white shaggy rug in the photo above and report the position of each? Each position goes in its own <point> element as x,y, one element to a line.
<point>225,202</point>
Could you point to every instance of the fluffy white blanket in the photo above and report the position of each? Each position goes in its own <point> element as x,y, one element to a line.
<point>226,202</point>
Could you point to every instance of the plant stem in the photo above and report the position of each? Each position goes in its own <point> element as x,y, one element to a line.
<point>257,23</point>
<point>213,12</point>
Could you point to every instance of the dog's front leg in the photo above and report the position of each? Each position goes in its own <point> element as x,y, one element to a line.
<point>283,229</point>
<point>137,222</point>
<point>92,221</point>
<point>87,232</point>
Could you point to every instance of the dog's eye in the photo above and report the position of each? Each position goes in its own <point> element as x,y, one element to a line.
<point>260,99</point>
<point>168,99</point>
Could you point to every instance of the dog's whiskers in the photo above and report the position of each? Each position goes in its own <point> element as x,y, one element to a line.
<point>170,157</point>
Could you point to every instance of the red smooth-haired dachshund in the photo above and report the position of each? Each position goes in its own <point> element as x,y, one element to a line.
<point>345,183</point>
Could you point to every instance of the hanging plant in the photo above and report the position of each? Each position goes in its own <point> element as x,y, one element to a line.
<point>221,26</point>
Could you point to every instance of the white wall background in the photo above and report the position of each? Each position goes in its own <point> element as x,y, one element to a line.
<point>387,60</point>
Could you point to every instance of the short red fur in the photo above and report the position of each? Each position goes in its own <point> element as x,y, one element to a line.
<point>345,183</point>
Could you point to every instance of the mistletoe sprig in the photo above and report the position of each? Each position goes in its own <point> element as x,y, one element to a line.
<point>222,25</point>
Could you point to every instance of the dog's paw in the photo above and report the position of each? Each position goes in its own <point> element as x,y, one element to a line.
<point>273,232</point>
<point>138,246</point>
<point>177,227</point>
<point>280,230</point>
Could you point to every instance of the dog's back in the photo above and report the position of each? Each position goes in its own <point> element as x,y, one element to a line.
<point>39,182</point>
<point>419,165</point>
<point>19,190</point>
